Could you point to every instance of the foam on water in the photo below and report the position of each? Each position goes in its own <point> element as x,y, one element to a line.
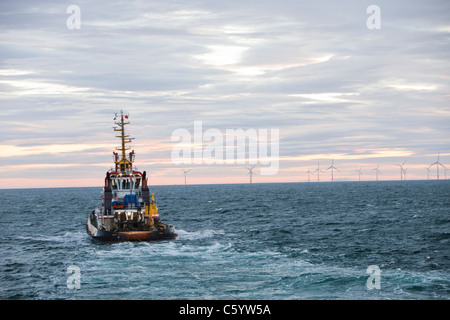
<point>199,234</point>
<point>261,241</point>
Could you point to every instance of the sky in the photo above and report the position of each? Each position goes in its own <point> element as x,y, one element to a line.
<point>334,88</point>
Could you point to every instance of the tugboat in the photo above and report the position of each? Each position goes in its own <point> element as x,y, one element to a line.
<point>129,211</point>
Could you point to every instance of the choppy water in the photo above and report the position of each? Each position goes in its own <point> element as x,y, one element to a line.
<point>259,241</point>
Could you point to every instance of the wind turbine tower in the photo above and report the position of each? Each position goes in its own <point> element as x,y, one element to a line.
<point>377,171</point>
<point>437,163</point>
<point>318,172</point>
<point>428,173</point>
<point>359,174</point>
<point>332,167</point>
<point>401,169</point>
<point>250,172</point>
<point>185,172</point>
<point>308,173</point>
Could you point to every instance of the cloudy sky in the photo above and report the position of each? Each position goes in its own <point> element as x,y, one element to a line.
<point>313,70</point>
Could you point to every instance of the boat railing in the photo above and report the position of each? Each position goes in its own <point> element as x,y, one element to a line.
<point>119,194</point>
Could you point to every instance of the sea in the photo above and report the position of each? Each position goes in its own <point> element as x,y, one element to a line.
<point>378,240</point>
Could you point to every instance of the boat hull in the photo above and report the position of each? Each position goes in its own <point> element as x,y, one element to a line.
<point>154,235</point>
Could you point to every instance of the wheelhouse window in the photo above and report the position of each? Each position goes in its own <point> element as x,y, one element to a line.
<point>137,183</point>
<point>125,184</point>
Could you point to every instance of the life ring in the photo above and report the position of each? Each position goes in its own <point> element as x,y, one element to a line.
<point>118,205</point>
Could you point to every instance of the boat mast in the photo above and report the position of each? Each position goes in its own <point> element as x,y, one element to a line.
<point>123,164</point>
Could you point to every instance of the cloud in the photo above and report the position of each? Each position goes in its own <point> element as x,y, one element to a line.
<point>313,71</point>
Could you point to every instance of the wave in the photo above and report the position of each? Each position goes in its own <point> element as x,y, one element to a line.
<point>66,237</point>
<point>200,234</point>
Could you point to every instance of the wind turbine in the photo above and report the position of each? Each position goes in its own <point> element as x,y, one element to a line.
<point>377,171</point>
<point>308,173</point>
<point>428,173</point>
<point>359,173</point>
<point>332,167</point>
<point>437,163</point>
<point>401,169</point>
<point>318,172</point>
<point>185,172</point>
<point>250,172</point>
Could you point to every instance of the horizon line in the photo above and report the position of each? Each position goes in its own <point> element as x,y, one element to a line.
<point>240,183</point>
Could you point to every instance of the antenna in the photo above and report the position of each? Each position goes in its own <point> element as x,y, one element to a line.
<point>437,163</point>
<point>401,169</point>
<point>377,171</point>
<point>332,167</point>
<point>251,172</point>
<point>185,172</point>
<point>318,172</point>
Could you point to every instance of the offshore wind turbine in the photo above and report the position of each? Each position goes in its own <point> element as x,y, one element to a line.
<point>404,173</point>
<point>437,163</point>
<point>377,171</point>
<point>318,172</point>
<point>250,172</point>
<point>359,173</point>
<point>185,172</point>
<point>308,173</point>
<point>332,167</point>
<point>428,173</point>
<point>401,169</point>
